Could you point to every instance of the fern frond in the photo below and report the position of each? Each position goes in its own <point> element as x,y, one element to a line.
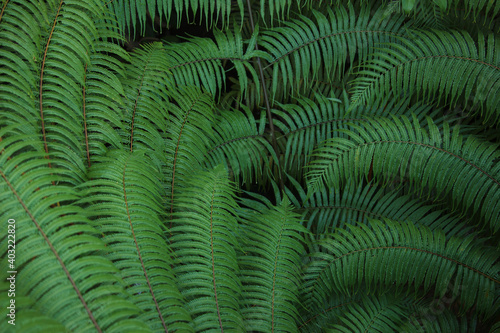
<point>239,143</point>
<point>378,314</point>
<point>146,95</point>
<point>466,69</point>
<point>188,136</point>
<point>49,67</point>
<point>330,43</point>
<point>103,93</point>
<point>416,256</point>
<point>57,267</point>
<point>308,122</point>
<point>328,209</point>
<point>271,269</point>
<point>18,67</point>
<point>126,207</point>
<point>442,161</point>
<point>63,56</point>
<point>201,61</point>
<point>316,320</point>
<point>204,242</point>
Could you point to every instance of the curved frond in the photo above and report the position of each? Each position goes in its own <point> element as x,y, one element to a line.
<point>126,206</point>
<point>58,267</point>
<point>372,315</point>
<point>467,70</point>
<point>146,95</point>
<point>202,62</point>
<point>45,49</point>
<point>328,209</point>
<point>103,93</point>
<point>188,135</point>
<point>63,55</point>
<point>271,269</point>
<point>239,142</point>
<point>441,161</point>
<point>416,256</point>
<point>330,43</point>
<point>18,68</point>
<point>204,241</point>
<point>309,122</point>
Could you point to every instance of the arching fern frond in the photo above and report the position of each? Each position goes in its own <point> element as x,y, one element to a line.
<point>466,69</point>
<point>18,67</point>
<point>201,61</point>
<point>329,43</point>
<point>204,242</point>
<point>146,112</point>
<point>308,122</point>
<point>188,135</point>
<point>360,255</point>
<point>102,105</point>
<point>328,209</point>
<point>444,162</point>
<point>45,49</point>
<point>125,197</point>
<point>58,267</point>
<point>64,55</point>
<point>378,314</point>
<point>271,269</point>
<point>239,143</point>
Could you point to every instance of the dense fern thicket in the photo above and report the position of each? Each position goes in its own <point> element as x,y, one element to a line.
<point>250,166</point>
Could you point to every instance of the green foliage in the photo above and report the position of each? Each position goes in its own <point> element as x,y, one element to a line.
<point>280,166</point>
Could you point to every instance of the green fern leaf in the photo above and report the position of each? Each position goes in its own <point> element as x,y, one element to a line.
<point>373,315</point>
<point>240,144</point>
<point>204,228</point>
<point>188,136</point>
<point>146,95</point>
<point>415,255</point>
<point>442,161</point>
<point>201,61</point>
<point>466,70</point>
<point>103,93</point>
<point>57,267</point>
<point>271,269</point>
<point>304,47</point>
<point>126,207</point>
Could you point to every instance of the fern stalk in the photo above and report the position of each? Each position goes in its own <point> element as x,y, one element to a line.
<point>268,106</point>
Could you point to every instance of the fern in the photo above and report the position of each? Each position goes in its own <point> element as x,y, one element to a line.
<point>358,256</point>
<point>304,47</point>
<point>413,153</point>
<point>127,205</point>
<point>411,67</point>
<point>249,166</point>
<point>273,246</point>
<point>204,240</point>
